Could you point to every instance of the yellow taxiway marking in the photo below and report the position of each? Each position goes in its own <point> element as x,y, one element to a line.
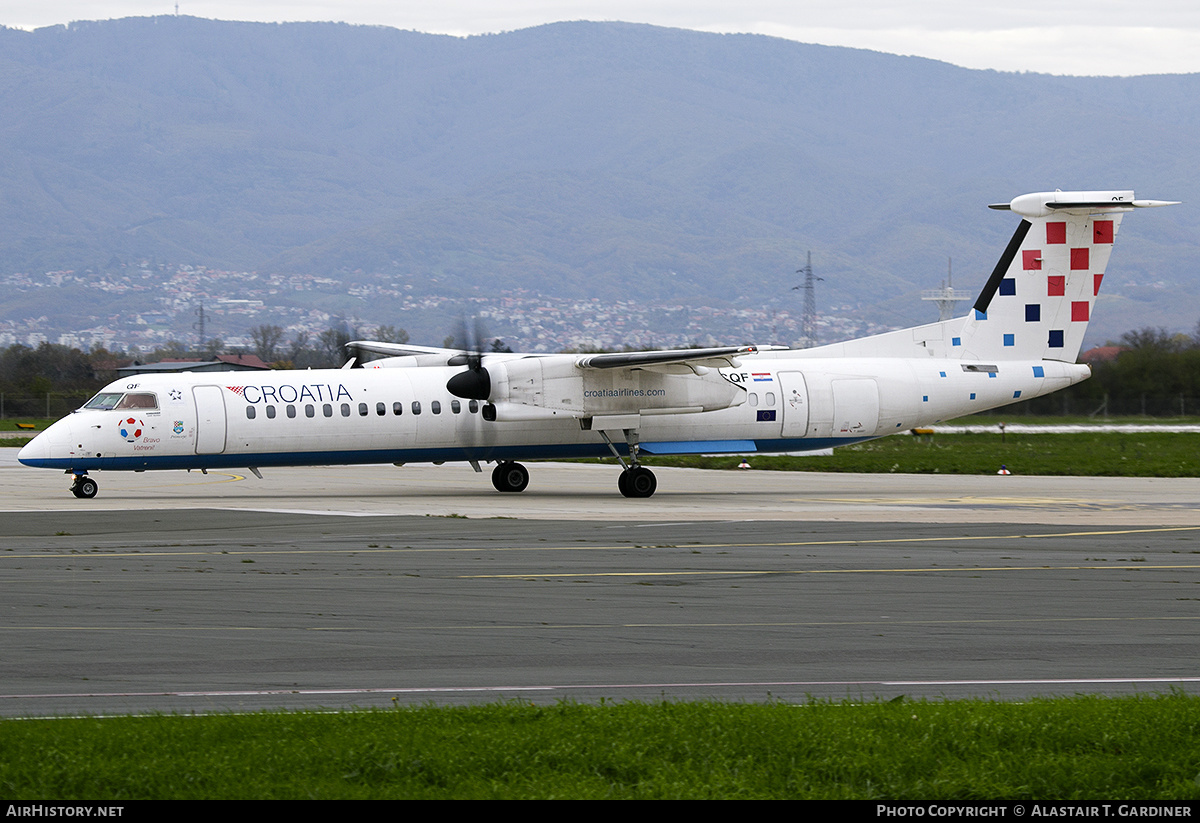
<point>753,572</point>
<point>968,500</point>
<point>229,478</point>
<point>974,621</point>
<point>101,554</point>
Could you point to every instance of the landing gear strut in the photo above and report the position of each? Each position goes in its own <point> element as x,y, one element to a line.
<point>635,480</point>
<point>84,487</point>
<point>510,477</point>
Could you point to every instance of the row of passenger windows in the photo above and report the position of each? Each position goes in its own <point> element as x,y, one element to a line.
<point>770,398</point>
<point>364,410</point>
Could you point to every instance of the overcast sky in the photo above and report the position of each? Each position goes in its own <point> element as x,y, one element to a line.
<point>1063,37</point>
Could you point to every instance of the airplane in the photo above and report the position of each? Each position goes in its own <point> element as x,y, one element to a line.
<point>424,404</point>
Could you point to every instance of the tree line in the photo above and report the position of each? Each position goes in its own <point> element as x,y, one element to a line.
<point>1154,373</point>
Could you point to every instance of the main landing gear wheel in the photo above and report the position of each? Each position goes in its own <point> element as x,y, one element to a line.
<point>84,487</point>
<point>637,482</point>
<point>510,477</point>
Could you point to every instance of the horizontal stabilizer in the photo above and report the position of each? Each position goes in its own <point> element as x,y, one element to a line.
<point>1045,203</point>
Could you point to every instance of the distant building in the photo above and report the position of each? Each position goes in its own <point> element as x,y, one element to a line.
<point>223,362</point>
<point>1102,354</point>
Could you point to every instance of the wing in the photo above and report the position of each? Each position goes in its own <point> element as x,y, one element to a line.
<point>689,357</point>
<point>399,349</point>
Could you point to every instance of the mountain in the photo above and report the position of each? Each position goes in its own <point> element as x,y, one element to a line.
<point>605,160</point>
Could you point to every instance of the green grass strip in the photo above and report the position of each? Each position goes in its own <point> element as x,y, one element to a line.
<point>1080,748</point>
<point>1088,454</point>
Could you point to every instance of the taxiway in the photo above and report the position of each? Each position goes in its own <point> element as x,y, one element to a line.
<point>373,585</point>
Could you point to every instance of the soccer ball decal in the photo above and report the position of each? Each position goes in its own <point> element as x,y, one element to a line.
<point>131,429</point>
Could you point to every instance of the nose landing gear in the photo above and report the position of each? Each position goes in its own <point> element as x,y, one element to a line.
<point>84,487</point>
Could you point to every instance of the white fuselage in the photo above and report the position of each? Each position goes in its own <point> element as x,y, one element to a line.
<point>780,401</point>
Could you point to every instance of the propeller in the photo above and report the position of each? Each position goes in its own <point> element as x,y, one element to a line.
<point>475,383</point>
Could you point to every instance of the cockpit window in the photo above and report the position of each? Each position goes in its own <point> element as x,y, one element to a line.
<point>138,400</point>
<point>104,400</point>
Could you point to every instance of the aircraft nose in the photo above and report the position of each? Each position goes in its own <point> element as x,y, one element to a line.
<point>49,447</point>
<point>35,451</point>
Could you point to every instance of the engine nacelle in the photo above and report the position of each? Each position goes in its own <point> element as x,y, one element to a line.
<point>554,383</point>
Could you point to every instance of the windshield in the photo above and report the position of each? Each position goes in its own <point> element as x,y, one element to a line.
<point>104,400</point>
<point>122,400</point>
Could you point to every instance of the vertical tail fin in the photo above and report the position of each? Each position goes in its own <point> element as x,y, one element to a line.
<point>1039,299</point>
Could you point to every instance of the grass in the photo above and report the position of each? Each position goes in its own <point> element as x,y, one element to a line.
<point>13,437</point>
<point>1088,454</point>
<point>1056,749</point>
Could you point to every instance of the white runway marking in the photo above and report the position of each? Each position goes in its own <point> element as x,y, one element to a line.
<point>715,684</point>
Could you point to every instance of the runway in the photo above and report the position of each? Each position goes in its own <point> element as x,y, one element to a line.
<point>369,586</point>
<point>589,492</point>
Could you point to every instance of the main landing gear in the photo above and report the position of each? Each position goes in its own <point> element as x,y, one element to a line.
<point>510,477</point>
<point>636,480</point>
<point>84,487</point>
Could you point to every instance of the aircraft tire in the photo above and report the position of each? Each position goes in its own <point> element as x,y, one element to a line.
<point>85,488</point>
<point>639,482</point>
<point>510,477</point>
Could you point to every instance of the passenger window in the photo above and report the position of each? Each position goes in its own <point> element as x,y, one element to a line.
<point>362,409</point>
<point>455,406</point>
<point>397,408</point>
<point>753,399</point>
<point>472,406</point>
<point>436,407</point>
<point>309,411</point>
<point>345,410</point>
<point>291,410</point>
<point>380,409</point>
<point>416,407</point>
<point>250,412</point>
<point>327,410</point>
<point>271,412</point>
<point>770,398</point>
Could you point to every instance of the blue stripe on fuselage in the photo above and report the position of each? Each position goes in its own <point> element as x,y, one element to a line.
<point>485,454</point>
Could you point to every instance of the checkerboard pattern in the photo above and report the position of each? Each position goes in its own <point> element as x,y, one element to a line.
<point>1043,304</point>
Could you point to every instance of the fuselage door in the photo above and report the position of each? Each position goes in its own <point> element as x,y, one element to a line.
<point>210,419</point>
<point>795,403</point>
<point>855,406</point>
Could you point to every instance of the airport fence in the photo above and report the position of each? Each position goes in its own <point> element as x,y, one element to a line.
<point>1067,404</point>
<point>50,404</point>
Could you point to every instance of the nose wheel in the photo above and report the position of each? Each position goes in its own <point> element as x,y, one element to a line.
<point>510,477</point>
<point>84,487</point>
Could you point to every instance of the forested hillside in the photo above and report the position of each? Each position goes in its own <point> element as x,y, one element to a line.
<point>578,159</point>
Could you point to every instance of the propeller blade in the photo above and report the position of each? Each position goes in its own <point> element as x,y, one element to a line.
<point>475,383</point>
